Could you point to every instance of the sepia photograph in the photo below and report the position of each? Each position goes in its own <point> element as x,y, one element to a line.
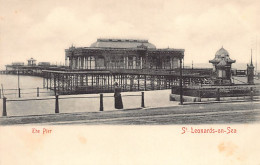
<point>129,82</point>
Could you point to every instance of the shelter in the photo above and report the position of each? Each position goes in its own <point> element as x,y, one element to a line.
<point>222,67</point>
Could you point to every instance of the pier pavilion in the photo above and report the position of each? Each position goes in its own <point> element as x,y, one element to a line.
<point>122,54</point>
<point>134,64</point>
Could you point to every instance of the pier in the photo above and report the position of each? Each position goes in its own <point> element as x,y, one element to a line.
<point>76,82</point>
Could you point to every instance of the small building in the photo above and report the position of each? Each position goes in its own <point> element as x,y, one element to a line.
<point>31,62</point>
<point>222,67</point>
<point>44,64</point>
<point>107,54</point>
<point>14,66</point>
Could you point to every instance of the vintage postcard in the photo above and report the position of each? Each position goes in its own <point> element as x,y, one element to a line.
<point>121,82</point>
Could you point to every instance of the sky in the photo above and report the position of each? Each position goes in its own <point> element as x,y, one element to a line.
<point>44,29</point>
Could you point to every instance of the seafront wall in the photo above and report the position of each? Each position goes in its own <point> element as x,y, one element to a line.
<point>216,93</point>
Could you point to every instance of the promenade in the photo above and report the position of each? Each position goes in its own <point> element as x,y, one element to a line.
<point>85,103</point>
<point>213,113</point>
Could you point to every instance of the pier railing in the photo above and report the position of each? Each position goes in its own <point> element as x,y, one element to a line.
<point>57,98</point>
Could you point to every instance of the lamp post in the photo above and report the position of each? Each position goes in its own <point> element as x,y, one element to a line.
<point>181,92</point>
<point>18,77</point>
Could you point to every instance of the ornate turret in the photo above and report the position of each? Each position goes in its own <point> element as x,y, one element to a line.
<point>222,67</point>
<point>250,72</point>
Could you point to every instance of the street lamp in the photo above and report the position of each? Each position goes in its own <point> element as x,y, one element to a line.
<point>18,77</point>
<point>181,90</point>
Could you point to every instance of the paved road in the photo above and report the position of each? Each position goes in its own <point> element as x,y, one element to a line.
<point>215,113</point>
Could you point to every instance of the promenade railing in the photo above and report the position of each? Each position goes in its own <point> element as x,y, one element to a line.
<point>57,99</point>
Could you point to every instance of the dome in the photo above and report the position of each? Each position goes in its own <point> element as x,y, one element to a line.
<point>222,53</point>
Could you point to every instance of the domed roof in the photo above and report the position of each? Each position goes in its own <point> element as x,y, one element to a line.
<point>122,43</point>
<point>31,59</point>
<point>222,52</point>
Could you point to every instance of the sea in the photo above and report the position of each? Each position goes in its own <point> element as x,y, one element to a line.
<point>30,104</point>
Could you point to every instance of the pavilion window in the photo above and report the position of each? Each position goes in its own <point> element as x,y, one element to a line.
<point>100,63</point>
<point>158,63</point>
<point>82,62</point>
<point>130,62</point>
<point>92,62</point>
<point>121,62</point>
<point>134,62</point>
<point>112,62</point>
<point>167,63</point>
<point>74,66</point>
<point>138,62</point>
<point>70,62</point>
<point>86,62</point>
<point>116,63</point>
<point>155,63</point>
<point>163,63</point>
<point>175,63</point>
